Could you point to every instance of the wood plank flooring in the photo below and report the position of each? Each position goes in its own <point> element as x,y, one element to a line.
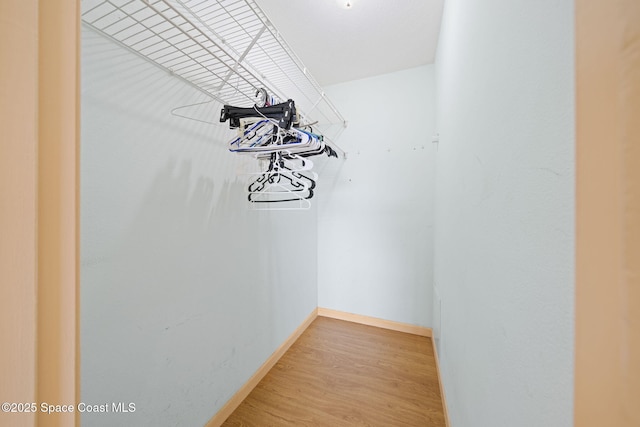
<point>341,373</point>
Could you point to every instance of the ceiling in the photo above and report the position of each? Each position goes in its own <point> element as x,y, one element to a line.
<point>372,37</point>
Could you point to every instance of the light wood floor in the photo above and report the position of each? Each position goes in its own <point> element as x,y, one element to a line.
<point>341,373</point>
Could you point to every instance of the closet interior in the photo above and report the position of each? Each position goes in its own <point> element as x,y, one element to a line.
<point>225,200</point>
<point>232,53</point>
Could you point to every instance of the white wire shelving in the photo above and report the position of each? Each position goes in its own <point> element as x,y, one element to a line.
<point>227,49</point>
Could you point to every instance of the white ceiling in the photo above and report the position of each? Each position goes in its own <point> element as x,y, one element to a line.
<point>372,37</point>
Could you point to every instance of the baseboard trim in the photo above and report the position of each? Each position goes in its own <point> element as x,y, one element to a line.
<point>374,321</point>
<point>235,401</point>
<point>444,400</point>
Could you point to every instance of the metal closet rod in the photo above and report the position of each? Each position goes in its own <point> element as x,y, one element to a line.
<point>295,59</point>
<point>231,69</point>
<point>275,34</point>
<point>165,40</point>
<point>191,62</point>
<point>240,57</point>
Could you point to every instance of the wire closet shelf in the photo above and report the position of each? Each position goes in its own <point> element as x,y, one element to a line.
<point>227,49</point>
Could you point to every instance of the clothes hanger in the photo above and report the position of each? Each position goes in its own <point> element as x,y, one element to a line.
<point>284,113</point>
<point>278,172</point>
<point>260,203</point>
<point>273,133</point>
<point>276,193</point>
<point>261,138</point>
<point>277,186</point>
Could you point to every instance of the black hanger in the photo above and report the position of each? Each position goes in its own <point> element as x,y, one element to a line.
<point>284,112</point>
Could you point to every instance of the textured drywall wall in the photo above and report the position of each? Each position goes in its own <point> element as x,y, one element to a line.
<point>504,259</point>
<point>185,292</point>
<point>375,219</point>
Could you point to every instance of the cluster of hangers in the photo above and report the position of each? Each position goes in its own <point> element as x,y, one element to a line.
<point>287,179</point>
<point>273,133</point>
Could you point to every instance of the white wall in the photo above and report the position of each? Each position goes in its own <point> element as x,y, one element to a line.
<point>504,256</point>
<point>375,220</point>
<point>185,292</point>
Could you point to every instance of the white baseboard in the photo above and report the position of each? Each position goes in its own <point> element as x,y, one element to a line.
<point>235,401</point>
<point>374,321</point>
